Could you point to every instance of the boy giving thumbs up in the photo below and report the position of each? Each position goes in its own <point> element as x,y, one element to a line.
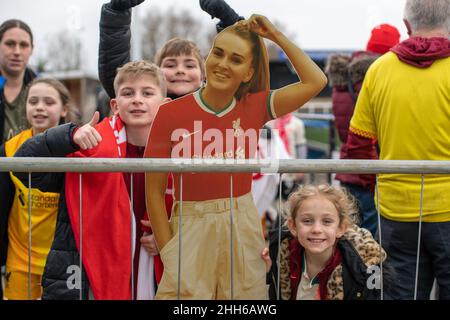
<point>110,236</point>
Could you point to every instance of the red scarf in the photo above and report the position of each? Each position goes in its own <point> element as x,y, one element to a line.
<point>295,261</point>
<point>422,52</point>
<point>106,214</point>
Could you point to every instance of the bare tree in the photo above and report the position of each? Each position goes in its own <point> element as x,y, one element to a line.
<point>272,48</point>
<point>162,26</point>
<point>62,52</point>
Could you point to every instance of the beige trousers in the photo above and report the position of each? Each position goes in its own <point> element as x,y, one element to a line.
<point>206,255</point>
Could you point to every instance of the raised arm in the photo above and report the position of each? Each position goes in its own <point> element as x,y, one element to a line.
<point>312,80</point>
<point>221,10</point>
<point>115,37</point>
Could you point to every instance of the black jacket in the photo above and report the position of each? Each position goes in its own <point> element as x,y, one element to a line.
<point>114,44</point>
<point>349,279</point>
<point>60,272</point>
<point>6,200</point>
<point>28,77</point>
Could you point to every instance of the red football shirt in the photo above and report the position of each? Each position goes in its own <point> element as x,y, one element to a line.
<point>188,128</point>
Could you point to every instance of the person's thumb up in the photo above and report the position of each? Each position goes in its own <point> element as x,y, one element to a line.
<point>94,119</point>
<point>87,137</point>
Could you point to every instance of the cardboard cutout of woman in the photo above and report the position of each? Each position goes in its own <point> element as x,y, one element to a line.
<point>221,121</point>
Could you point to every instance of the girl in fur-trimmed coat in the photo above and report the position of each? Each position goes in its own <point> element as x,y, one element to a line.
<point>323,254</point>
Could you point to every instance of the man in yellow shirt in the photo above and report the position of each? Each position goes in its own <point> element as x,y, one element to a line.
<point>405,104</point>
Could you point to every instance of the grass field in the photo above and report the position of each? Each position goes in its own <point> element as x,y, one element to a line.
<point>319,137</point>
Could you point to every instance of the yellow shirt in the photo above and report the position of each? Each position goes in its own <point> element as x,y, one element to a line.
<point>408,110</point>
<point>43,220</point>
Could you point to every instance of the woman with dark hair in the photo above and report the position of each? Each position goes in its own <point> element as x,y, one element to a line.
<point>16,47</point>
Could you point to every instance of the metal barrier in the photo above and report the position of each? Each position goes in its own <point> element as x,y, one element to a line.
<point>82,165</point>
<point>333,139</point>
<point>229,165</point>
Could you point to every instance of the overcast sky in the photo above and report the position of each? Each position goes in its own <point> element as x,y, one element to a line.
<point>318,24</point>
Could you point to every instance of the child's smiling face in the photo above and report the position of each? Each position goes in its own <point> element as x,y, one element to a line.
<point>44,107</point>
<point>183,74</point>
<point>138,100</point>
<point>317,226</point>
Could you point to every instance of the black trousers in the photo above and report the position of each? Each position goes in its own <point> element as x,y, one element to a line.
<point>400,239</point>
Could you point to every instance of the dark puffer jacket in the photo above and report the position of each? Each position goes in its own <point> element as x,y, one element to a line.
<point>114,45</point>
<point>347,275</point>
<point>6,199</point>
<point>28,77</point>
<point>346,74</point>
<point>63,259</point>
